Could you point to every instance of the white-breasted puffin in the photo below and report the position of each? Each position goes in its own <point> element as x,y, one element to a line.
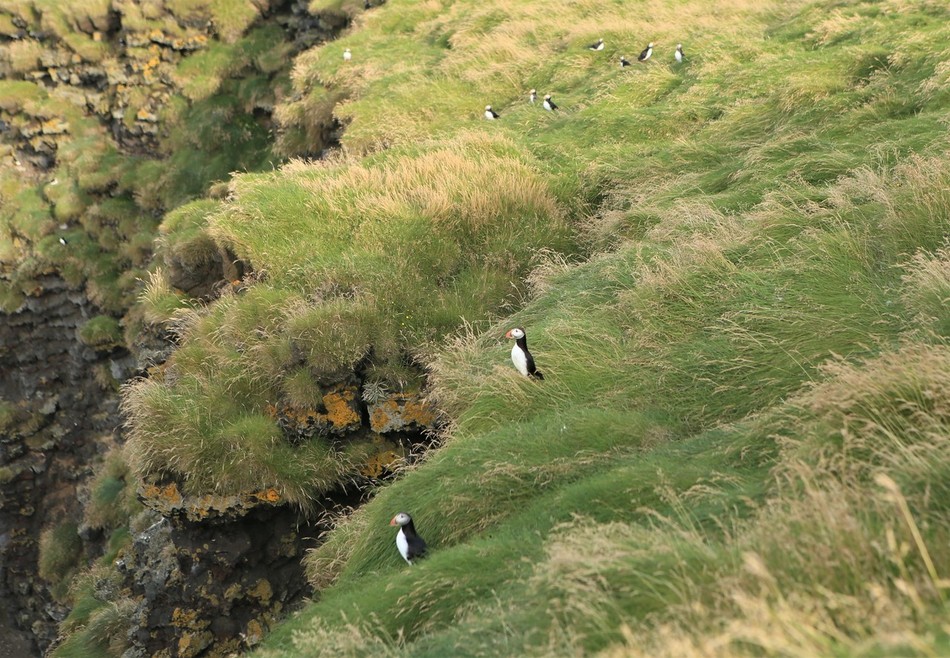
<point>623,62</point>
<point>491,114</point>
<point>645,55</point>
<point>63,242</point>
<point>597,45</point>
<point>533,96</point>
<point>520,355</point>
<point>679,52</point>
<point>347,55</point>
<point>408,541</point>
<point>549,104</point>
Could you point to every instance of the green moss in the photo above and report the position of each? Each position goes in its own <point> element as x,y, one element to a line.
<point>7,415</point>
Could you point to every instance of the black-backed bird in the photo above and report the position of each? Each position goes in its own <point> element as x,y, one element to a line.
<point>533,96</point>
<point>549,104</point>
<point>679,52</point>
<point>623,62</point>
<point>597,45</point>
<point>63,242</point>
<point>491,114</point>
<point>520,355</point>
<point>408,541</point>
<point>347,55</point>
<point>645,55</point>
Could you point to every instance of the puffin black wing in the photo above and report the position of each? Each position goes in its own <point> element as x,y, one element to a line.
<point>416,545</point>
<point>532,369</point>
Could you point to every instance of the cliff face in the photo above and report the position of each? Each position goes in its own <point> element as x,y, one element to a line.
<point>64,412</point>
<point>94,83</point>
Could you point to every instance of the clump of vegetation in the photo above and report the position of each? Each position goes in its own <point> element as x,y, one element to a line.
<point>101,332</point>
<point>112,495</point>
<point>386,256</point>
<point>60,553</point>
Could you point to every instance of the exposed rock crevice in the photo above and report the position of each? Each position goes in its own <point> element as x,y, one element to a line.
<point>64,411</point>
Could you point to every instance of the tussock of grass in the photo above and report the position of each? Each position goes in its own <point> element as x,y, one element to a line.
<point>60,552</point>
<point>738,446</point>
<point>101,332</point>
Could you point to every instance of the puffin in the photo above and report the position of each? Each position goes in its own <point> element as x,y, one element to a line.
<point>645,55</point>
<point>597,45</point>
<point>679,52</point>
<point>63,242</point>
<point>623,62</point>
<point>347,55</point>
<point>409,543</point>
<point>520,355</point>
<point>491,114</point>
<point>549,104</point>
<point>533,96</point>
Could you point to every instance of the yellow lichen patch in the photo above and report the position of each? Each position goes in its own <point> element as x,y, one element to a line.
<point>232,592</point>
<point>388,453</point>
<point>54,127</point>
<point>254,633</point>
<point>191,644</point>
<point>262,591</point>
<point>339,404</point>
<point>184,618</point>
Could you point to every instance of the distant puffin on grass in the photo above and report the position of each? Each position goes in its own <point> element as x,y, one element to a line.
<point>347,55</point>
<point>679,52</point>
<point>597,45</point>
<point>549,104</point>
<point>491,114</point>
<point>623,62</point>
<point>533,96</point>
<point>645,55</point>
<point>520,355</point>
<point>409,543</point>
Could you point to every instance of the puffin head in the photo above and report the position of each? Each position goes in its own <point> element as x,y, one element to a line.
<point>401,519</point>
<point>679,46</point>
<point>649,45</point>
<point>488,108</point>
<point>533,91</point>
<point>547,97</point>
<point>515,333</point>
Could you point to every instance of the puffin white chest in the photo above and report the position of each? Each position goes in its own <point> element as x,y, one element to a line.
<point>520,359</point>
<point>402,543</point>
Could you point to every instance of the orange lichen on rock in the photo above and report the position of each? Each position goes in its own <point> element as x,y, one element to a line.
<point>400,410</point>
<point>339,404</point>
<point>168,493</point>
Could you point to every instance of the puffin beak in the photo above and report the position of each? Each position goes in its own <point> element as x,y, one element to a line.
<point>393,521</point>
<point>508,334</point>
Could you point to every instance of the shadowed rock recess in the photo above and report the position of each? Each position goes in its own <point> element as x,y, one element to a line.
<point>210,575</point>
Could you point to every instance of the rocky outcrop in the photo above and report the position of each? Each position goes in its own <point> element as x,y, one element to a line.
<point>119,64</point>
<point>214,587</point>
<point>62,409</point>
<point>218,570</point>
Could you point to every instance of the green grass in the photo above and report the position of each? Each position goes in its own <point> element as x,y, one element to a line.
<point>59,556</point>
<point>742,328</point>
<point>734,275</point>
<point>101,332</point>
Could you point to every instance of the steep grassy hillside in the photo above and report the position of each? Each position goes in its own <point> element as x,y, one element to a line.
<point>733,272</point>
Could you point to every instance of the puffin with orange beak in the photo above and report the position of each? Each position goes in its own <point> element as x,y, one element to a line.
<point>520,355</point>
<point>408,541</point>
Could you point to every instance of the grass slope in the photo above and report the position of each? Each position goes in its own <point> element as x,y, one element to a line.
<point>733,272</point>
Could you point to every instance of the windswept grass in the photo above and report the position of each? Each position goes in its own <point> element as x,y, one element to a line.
<point>740,311</point>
